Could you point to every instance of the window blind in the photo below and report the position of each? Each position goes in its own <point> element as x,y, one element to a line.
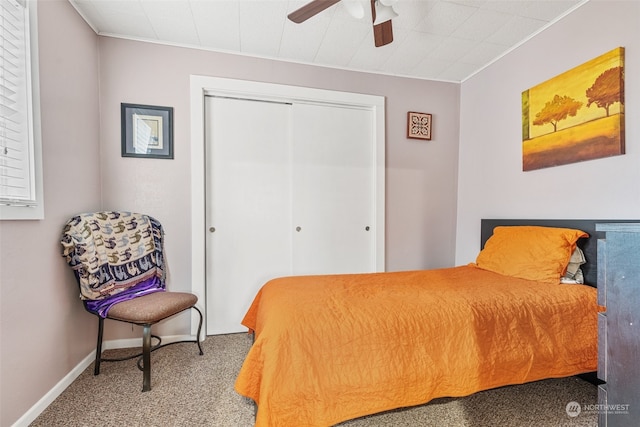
<point>17,174</point>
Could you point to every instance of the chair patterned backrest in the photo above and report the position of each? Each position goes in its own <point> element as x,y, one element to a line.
<point>110,252</point>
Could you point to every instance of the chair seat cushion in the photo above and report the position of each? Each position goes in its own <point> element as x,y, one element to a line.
<point>153,307</point>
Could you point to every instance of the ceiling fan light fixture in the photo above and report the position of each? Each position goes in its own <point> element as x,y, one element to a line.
<point>382,26</point>
<point>356,8</point>
<point>383,13</point>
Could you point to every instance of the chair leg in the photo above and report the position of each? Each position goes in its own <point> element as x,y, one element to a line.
<point>146,358</point>
<point>199,330</point>
<point>96,367</point>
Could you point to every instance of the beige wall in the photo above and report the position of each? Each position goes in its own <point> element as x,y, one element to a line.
<point>84,78</point>
<point>44,330</point>
<point>421,176</point>
<point>491,181</point>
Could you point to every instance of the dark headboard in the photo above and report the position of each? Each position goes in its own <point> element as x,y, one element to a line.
<point>588,245</point>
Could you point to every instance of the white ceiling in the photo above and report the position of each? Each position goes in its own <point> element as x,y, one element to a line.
<point>447,40</point>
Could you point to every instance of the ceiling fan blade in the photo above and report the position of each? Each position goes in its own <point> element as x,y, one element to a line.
<point>310,9</point>
<point>382,33</point>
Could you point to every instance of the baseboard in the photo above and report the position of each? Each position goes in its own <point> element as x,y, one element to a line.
<point>52,394</point>
<point>68,379</point>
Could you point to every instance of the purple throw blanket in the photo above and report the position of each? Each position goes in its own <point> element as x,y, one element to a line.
<point>101,307</point>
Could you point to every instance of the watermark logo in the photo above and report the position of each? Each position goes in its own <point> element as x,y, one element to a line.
<point>573,409</point>
<point>608,408</point>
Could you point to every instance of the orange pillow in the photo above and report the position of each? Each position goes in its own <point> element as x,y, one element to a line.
<point>529,252</point>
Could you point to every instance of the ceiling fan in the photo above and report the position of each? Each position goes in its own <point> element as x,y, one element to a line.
<point>382,28</point>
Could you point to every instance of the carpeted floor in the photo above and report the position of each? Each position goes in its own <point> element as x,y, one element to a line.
<point>192,390</point>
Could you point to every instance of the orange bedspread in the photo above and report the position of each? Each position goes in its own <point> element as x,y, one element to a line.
<point>336,347</point>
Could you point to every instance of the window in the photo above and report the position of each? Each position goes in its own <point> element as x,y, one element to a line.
<point>20,150</point>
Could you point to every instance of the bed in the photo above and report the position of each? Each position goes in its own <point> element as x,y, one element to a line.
<point>330,348</point>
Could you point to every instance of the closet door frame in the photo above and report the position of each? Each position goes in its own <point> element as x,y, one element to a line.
<point>201,86</point>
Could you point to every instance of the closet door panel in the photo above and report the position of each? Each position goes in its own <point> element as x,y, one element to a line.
<point>248,204</point>
<point>333,189</point>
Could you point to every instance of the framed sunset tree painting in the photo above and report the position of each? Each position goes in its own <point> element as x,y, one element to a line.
<point>575,116</point>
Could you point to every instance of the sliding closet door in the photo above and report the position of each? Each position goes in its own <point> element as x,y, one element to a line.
<point>248,164</point>
<point>333,189</point>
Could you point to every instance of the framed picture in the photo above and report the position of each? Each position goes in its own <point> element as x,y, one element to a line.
<point>575,116</point>
<point>147,131</point>
<point>418,125</point>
